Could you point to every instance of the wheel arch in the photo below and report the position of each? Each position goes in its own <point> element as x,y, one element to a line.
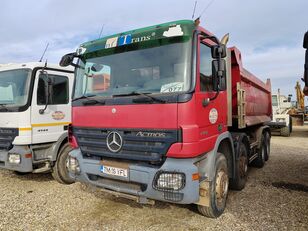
<point>58,145</point>
<point>260,131</point>
<point>224,144</point>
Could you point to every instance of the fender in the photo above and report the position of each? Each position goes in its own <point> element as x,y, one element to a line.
<point>259,133</point>
<point>56,146</point>
<point>239,137</point>
<point>206,165</point>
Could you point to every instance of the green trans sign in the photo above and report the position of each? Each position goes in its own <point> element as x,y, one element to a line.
<point>177,31</point>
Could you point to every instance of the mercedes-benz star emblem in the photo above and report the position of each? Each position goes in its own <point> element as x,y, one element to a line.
<point>114,141</point>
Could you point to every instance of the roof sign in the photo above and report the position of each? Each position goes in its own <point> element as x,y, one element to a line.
<point>174,31</point>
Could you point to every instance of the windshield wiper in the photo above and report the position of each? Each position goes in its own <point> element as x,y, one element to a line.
<point>145,94</point>
<point>90,100</point>
<point>82,97</point>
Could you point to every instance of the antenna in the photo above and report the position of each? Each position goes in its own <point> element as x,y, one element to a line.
<point>193,15</point>
<point>206,7</point>
<point>101,32</point>
<point>44,52</point>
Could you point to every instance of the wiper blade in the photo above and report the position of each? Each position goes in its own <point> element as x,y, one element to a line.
<point>93,102</point>
<point>145,94</point>
<point>90,100</point>
<point>83,97</point>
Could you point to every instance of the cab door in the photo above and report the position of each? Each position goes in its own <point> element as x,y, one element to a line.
<point>49,120</point>
<point>211,105</point>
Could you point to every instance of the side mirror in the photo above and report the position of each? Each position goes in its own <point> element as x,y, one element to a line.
<point>48,93</point>
<point>67,59</point>
<point>219,51</point>
<point>218,74</point>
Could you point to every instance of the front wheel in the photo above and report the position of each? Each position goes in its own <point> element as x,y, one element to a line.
<point>60,171</point>
<point>218,189</point>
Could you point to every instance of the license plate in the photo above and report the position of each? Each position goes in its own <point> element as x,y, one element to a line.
<point>114,171</point>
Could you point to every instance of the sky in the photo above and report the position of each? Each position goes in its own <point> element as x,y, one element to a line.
<point>268,33</point>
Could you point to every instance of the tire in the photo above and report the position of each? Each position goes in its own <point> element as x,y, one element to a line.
<point>260,160</point>
<point>290,124</point>
<point>268,146</point>
<point>239,181</point>
<point>218,189</point>
<point>60,171</point>
<point>285,131</point>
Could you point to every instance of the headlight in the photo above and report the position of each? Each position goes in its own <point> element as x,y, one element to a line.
<point>169,181</point>
<point>73,165</point>
<point>14,159</point>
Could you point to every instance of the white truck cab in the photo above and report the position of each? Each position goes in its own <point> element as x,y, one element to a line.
<point>282,121</point>
<point>35,111</point>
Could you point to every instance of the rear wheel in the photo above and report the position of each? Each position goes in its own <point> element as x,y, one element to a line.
<point>260,160</point>
<point>239,181</point>
<point>60,171</point>
<point>285,131</point>
<point>218,189</point>
<point>268,145</point>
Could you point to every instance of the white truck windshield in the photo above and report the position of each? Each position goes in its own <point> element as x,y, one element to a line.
<point>14,87</point>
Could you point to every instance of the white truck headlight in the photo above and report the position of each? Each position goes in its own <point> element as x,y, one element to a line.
<point>14,158</point>
<point>170,181</point>
<point>73,165</point>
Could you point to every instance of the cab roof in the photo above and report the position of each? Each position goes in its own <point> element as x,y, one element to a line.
<point>164,30</point>
<point>32,65</point>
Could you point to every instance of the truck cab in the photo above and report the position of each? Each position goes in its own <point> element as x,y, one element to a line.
<point>35,111</point>
<point>157,116</point>
<point>282,121</point>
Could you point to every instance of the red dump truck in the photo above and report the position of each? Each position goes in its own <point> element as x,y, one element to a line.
<point>179,121</point>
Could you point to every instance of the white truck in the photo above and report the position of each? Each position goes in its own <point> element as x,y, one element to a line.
<point>282,121</point>
<point>35,111</point>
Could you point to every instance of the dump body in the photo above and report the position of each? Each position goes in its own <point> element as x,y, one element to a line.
<point>257,99</point>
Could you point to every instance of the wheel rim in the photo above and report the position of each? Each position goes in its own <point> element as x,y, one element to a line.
<point>222,183</point>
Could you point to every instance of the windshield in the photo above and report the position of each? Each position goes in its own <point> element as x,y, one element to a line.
<point>161,69</point>
<point>14,87</point>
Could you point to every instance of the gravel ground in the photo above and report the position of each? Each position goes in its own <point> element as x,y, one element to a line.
<point>275,198</point>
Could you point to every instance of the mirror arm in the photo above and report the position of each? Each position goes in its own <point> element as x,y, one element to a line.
<point>41,111</point>
<point>210,37</point>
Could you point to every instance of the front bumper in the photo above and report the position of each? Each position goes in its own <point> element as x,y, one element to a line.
<point>140,179</point>
<point>25,164</point>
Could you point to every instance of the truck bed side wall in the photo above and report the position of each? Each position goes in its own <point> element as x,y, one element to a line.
<point>257,105</point>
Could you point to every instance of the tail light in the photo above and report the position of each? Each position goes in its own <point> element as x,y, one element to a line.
<point>71,138</point>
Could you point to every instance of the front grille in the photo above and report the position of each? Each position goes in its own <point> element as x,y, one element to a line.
<point>7,136</point>
<point>138,145</point>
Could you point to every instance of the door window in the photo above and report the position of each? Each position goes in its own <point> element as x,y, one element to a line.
<point>206,83</point>
<point>59,91</point>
